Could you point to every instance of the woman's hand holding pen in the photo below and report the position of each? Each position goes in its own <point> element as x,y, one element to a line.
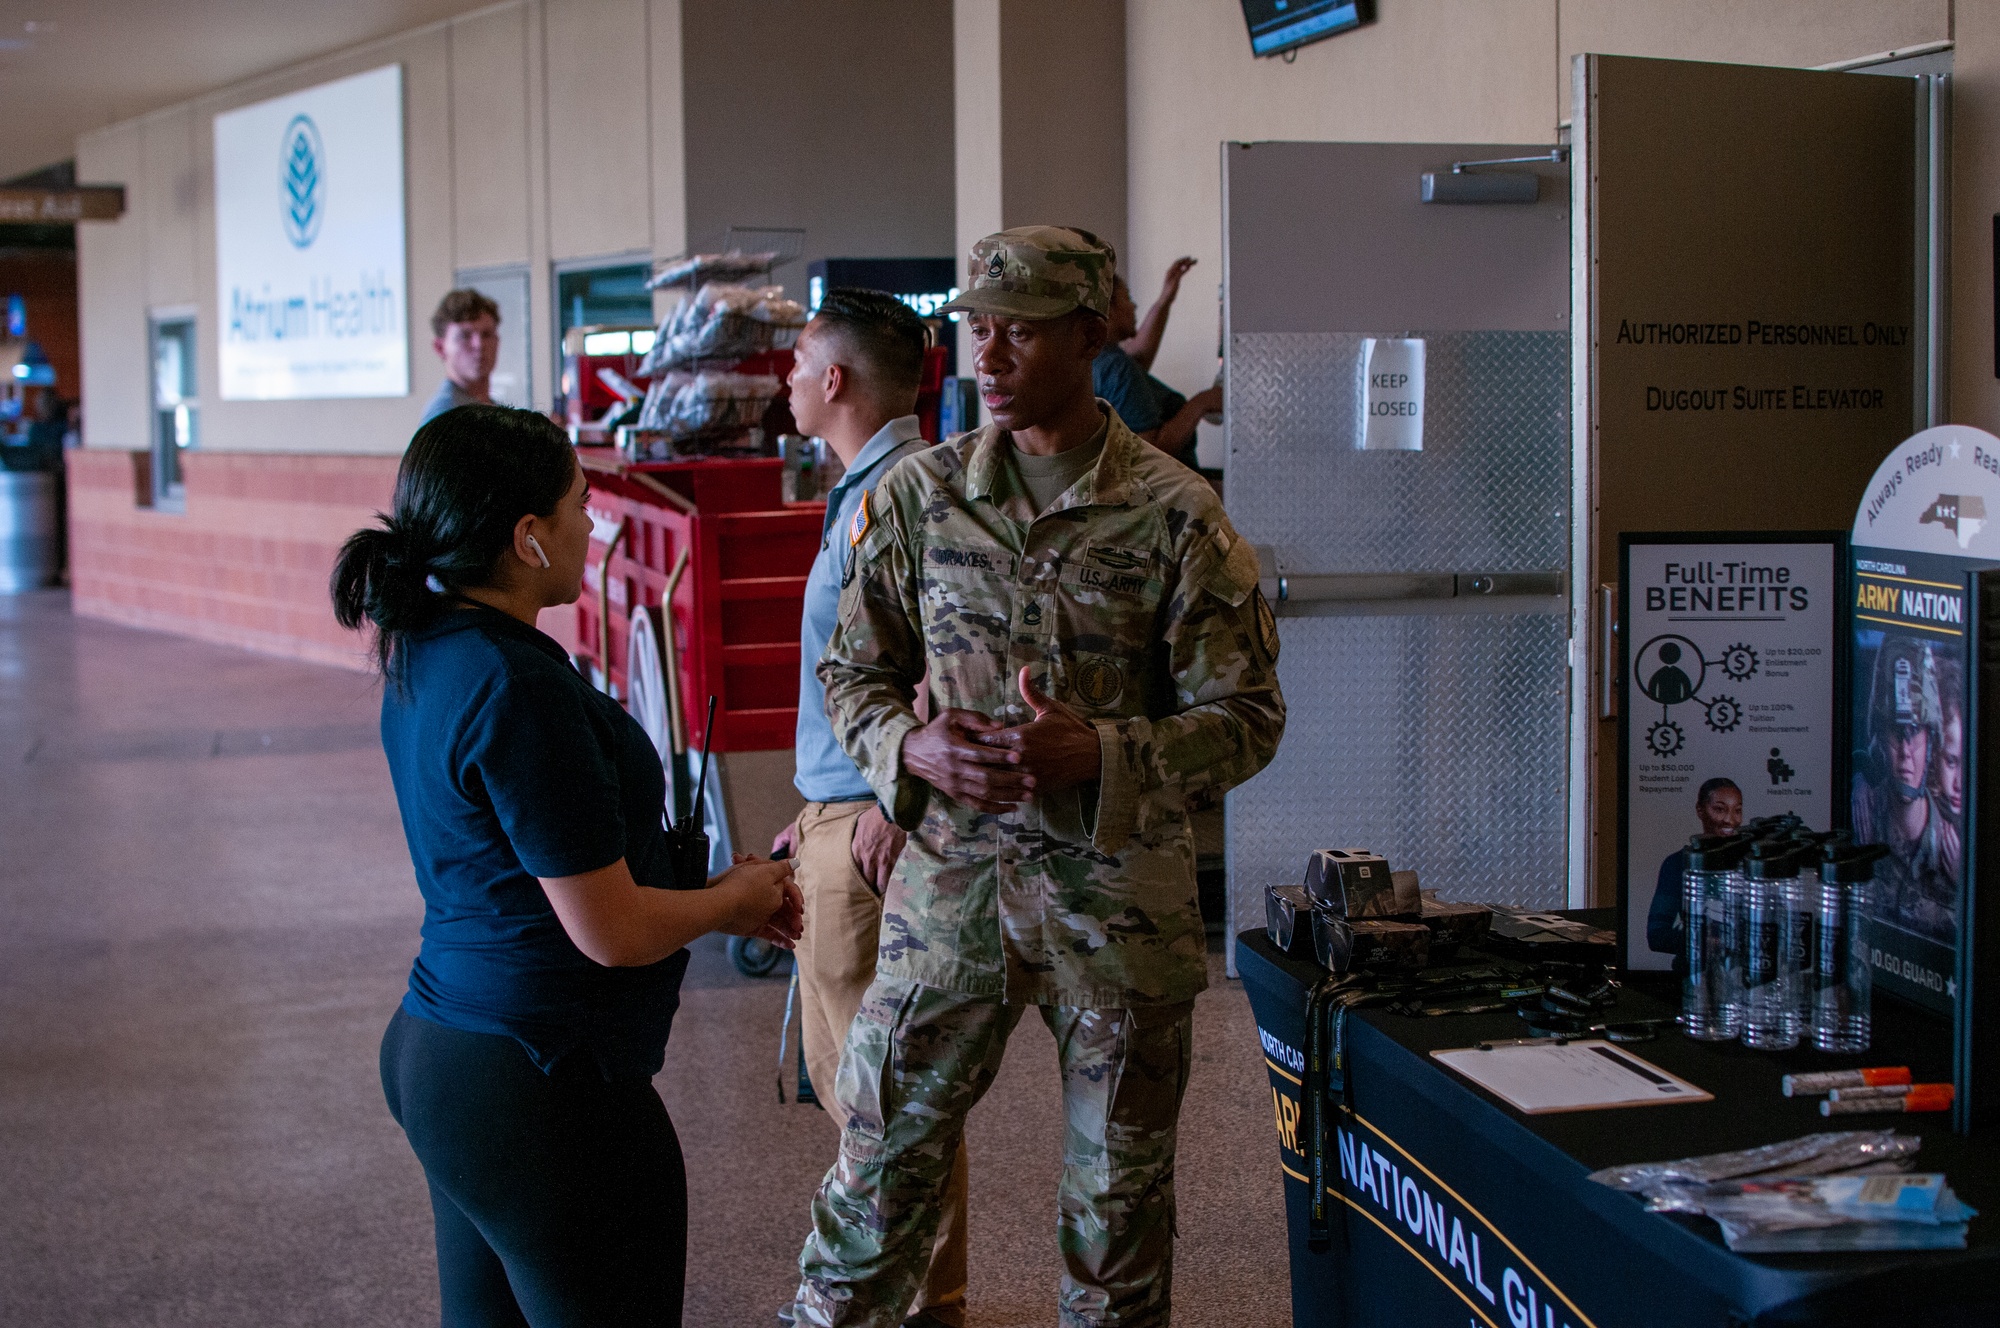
<point>616,923</point>
<point>767,903</point>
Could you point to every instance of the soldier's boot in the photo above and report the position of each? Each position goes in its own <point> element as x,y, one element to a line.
<point>1124,1073</point>
<point>916,1061</point>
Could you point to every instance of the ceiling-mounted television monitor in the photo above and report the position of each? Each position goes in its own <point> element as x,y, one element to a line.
<point>1277,26</point>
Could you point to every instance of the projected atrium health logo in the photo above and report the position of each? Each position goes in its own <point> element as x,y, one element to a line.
<point>301,183</point>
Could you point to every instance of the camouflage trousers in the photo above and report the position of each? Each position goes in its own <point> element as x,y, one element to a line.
<point>916,1061</point>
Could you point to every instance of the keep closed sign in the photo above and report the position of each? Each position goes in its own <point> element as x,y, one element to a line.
<point>1393,399</point>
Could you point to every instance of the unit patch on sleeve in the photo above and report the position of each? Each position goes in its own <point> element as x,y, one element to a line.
<point>1267,625</point>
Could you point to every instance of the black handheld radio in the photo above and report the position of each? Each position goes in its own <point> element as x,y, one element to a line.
<point>687,842</point>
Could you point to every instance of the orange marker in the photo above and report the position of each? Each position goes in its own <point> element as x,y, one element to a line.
<point>1921,1097</point>
<point>1805,1085</point>
<point>1857,1094</point>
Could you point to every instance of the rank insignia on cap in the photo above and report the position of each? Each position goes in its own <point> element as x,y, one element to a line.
<point>996,267</point>
<point>857,529</point>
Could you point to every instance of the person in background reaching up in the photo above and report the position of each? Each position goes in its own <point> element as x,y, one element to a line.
<point>1122,373</point>
<point>854,383</point>
<point>465,333</point>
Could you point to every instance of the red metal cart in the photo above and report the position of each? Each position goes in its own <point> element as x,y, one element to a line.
<point>714,539</point>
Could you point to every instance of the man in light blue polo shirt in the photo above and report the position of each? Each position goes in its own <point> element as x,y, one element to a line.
<point>854,383</point>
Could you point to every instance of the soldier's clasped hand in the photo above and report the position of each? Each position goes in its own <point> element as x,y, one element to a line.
<point>948,753</point>
<point>1058,747</point>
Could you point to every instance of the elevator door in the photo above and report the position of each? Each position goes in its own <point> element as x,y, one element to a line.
<point>1760,292</point>
<point>1422,594</point>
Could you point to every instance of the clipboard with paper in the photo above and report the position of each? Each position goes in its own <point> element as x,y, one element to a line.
<point>1550,1075</point>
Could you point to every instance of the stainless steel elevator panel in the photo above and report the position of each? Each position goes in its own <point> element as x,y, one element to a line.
<point>1434,731</point>
<point>1434,739</point>
<point>1489,492</point>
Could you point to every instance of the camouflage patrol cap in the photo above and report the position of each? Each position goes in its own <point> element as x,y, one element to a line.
<point>1037,272</point>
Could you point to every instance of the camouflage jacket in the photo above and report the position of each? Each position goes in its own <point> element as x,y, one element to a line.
<point>1137,603</point>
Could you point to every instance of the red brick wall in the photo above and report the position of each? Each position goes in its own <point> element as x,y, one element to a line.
<point>245,565</point>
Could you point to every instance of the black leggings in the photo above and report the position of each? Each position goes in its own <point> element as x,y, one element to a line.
<point>560,1199</point>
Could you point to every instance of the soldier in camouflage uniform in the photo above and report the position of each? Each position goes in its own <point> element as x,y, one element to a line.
<point>1052,565</point>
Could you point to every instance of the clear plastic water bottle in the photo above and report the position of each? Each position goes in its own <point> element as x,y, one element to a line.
<point>1711,886</point>
<point>1774,902</point>
<point>1843,981</point>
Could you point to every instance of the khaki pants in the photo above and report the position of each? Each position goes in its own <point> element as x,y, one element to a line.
<point>836,962</point>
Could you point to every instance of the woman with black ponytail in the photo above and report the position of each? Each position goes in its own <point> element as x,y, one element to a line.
<point>520,1062</point>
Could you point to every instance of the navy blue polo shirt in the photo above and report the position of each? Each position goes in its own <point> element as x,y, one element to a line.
<point>1141,400</point>
<point>509,767</point>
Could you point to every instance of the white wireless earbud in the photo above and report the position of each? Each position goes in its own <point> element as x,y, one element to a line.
<point>536,545</point>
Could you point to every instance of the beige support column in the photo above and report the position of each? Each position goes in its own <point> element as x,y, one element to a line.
<point>1039,98</point>
<point>541,295</point>
<point>668,136</point>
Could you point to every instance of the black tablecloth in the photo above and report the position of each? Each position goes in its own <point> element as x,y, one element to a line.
<point>1451,1206</point>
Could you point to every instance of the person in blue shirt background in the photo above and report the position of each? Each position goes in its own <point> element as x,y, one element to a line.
<point>1718,805</point>
<point>1122,374</point>
<point>520,1062</point>
<point>854,382</point>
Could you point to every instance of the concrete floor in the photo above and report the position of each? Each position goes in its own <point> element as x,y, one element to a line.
<point>206,917</point>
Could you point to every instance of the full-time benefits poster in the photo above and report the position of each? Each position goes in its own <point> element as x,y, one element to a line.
<point>1728,706</point>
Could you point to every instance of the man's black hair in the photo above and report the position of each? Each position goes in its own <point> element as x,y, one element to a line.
<point>882,331</point>
<point>1714,786</point>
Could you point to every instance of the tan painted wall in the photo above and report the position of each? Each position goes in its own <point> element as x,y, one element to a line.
<point>600,198</point>
<point>173,180</point>
<point>507,160</point>
<point>1040,124</point>
<point>111,292</point>
<point>1062,136</point>
<point>1773,32</point>
<point>491,222</point>
<point>1458,71</point>
<point>976,119</point>
<point>852,136</point>
<point>668,139</point>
